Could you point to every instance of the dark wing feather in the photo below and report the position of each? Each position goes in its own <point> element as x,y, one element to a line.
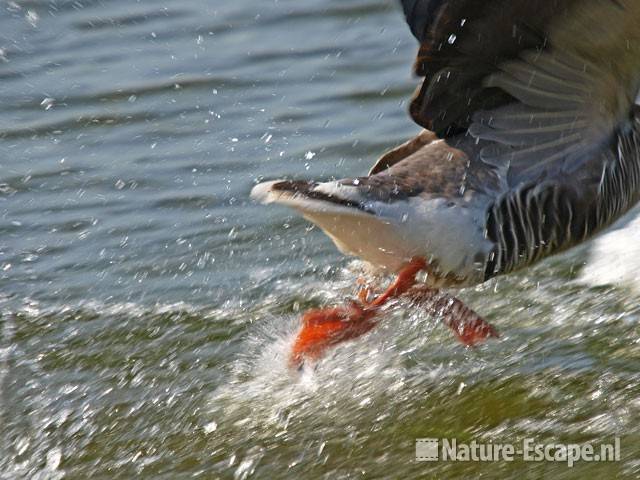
<point>419,14</point>
<point>543,86</point>
<point>461,43</point>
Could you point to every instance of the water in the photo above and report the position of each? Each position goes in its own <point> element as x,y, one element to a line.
<point>147,304</point>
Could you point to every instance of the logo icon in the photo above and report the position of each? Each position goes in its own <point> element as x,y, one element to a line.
<point>426,449</point>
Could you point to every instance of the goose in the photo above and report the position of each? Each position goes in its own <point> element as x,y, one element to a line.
<point>530,147</point>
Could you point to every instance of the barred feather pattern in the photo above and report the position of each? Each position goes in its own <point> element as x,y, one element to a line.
<point>540,219</point>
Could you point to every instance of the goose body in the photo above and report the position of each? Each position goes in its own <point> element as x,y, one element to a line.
<point>530,143</point>
<point>423,206</point>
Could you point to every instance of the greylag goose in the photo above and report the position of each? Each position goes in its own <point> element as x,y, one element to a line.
<point>530,147</point>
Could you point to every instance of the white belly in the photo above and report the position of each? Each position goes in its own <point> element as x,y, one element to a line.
<point>447,235</point>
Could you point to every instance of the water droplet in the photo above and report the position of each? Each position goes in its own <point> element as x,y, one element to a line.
<point>53,458</point>
<point>210,427</point>
<point>48,103</point>
<point>32,17</point>
<point>322,445</point>
<point>22,445</point>
<point>309,155</point>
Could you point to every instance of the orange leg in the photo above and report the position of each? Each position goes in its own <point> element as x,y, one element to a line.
<point>406,279</point>
<point>323,328</point>
<point>468,327</point>
<point>330,326</point>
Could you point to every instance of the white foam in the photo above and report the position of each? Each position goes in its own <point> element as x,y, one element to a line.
<point>261,391</point>
<point>614,258</point>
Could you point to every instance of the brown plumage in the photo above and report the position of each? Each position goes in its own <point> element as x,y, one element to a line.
<point>518,103</point>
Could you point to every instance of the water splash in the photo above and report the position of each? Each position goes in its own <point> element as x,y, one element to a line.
<point>614,258</point>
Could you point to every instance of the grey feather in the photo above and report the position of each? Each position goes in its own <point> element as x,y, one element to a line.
<point>553,126</point>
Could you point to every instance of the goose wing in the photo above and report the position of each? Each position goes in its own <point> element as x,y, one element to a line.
<point>544,87</point>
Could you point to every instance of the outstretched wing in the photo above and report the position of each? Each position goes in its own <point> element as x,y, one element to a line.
<point>544,84</point>
<point>461,43</point>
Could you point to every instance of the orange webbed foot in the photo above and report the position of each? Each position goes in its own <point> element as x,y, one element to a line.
<point>323,328</point>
